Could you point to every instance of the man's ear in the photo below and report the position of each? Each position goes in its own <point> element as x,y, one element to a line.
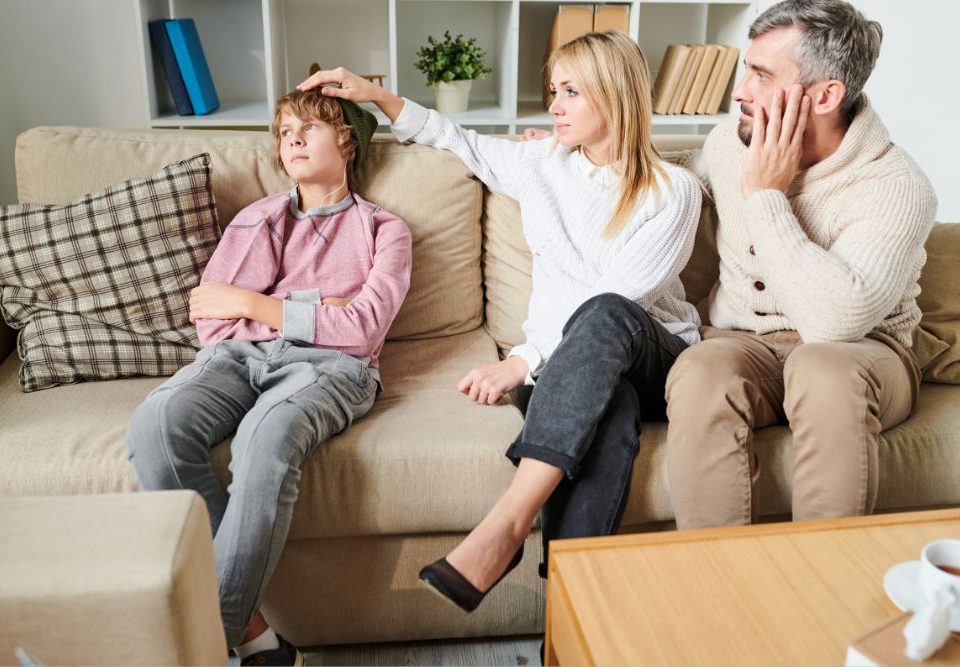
<point>826,97</point>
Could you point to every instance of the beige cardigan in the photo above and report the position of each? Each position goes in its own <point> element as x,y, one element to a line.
<point>835,257</point>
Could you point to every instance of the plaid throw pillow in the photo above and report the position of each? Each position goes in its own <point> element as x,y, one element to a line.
<point>100,288</point>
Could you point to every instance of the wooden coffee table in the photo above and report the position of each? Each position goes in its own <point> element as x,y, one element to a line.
<point>789,593</point>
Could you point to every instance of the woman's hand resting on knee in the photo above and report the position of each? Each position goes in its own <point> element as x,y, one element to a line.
<point>488,383</point>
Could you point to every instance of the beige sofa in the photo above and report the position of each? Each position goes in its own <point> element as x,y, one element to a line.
<point>404,484</point>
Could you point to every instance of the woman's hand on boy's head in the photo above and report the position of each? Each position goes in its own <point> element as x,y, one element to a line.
<point>352,87</point>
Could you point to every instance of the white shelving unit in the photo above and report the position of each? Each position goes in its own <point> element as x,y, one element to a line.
<point>259,49</point>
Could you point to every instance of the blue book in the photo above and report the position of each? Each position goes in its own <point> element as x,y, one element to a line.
<point>193,65</point>
<point>160,42</point>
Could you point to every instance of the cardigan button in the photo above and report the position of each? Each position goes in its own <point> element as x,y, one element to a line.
<point>759,286</point>
<point>751,251</point>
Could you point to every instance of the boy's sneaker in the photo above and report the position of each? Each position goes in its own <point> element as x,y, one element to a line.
<point>285,655</point>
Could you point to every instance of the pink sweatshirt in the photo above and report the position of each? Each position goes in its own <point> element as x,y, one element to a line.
<point>352,249</point>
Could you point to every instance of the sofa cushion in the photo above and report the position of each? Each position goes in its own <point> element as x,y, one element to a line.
<point>703,269</point>
<point>507,270</point>
<point>936,341</point>
<point>100,288</point>
<point>442,209</point>
<point>67,440</point>
<point>424,459</point>
<point>919,460</point>
<point>443,212</point>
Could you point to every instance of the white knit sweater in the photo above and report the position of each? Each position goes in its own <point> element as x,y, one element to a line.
<point>835,257</point>
<point>565,203</point>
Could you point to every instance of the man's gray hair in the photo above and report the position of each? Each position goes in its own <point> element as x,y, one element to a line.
<point>838,42</point>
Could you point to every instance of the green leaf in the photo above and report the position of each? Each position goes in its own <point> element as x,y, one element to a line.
<point>451,59</point>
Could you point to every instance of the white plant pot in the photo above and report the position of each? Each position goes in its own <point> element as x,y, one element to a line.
<point>452,96</point>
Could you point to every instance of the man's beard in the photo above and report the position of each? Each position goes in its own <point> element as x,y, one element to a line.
<point>745,128</point>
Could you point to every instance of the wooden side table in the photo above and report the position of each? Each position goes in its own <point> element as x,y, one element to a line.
<point>774,594</point>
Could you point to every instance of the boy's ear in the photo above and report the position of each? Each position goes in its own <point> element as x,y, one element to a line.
<point>347,148</point>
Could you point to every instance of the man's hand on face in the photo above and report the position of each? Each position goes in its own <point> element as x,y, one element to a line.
<point>776,145</point>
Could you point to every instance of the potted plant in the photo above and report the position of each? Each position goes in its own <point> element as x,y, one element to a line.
<point>451,65</point>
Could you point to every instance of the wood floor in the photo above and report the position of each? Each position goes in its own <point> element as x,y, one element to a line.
<point>466,652</point>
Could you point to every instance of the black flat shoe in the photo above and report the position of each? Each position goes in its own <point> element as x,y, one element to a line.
<point>444,580</point>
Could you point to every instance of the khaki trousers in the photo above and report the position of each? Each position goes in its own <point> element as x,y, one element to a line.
<point>836,398</point>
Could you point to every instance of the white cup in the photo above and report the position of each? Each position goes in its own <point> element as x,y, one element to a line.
<point>932,577</point>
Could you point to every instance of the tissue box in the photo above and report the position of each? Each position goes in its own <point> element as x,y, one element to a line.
<point>884,645</point>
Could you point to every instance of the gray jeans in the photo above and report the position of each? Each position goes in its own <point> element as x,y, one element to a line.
<point>282,400</point>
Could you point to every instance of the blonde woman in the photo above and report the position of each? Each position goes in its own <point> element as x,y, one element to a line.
<point>610,226</point>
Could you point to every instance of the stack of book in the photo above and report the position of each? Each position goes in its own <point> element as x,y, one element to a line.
<point>176,45</point>
<point>693,78</point>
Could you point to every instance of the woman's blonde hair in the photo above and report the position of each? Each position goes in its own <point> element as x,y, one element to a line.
<point>611,71</point>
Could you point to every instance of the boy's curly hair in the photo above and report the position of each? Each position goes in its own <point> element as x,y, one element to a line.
<point>311,105</point>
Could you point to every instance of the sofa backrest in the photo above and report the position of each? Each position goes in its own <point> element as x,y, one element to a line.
<point>432,190</point>
<point>444,206</point>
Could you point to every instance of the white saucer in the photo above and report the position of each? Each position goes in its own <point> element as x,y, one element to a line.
<point>900,585</point>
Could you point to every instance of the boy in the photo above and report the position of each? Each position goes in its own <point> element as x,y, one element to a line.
<point>292,312</point>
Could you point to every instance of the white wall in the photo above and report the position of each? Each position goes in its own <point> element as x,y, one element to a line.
<point>66,62</point>
<point>75,62</point>
<point>916,90</point>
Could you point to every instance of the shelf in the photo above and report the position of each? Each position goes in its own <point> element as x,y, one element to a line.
<point>628,2</point>
<point>479,115</point>
<point>490,22</point>
<point>260,49</point>
<point>530,113</point>
<point>683,119</point>
<point>536,19</point>
<point>694,2</point>
<point>325,32</point>
<point>233,43</point>
<point>229,114</point>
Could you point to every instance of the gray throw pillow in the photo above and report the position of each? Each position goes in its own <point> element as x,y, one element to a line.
<point>99,289</point>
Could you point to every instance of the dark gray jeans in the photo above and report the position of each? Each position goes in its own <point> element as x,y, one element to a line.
<point>584,414</point>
